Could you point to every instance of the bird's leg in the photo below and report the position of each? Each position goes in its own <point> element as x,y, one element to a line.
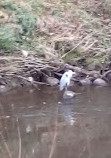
<point>66,87</point>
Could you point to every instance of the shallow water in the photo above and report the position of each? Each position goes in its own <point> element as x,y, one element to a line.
<point>41,124</point>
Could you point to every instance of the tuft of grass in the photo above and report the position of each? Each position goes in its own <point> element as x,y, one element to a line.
<point>73,55</point>
<point>7,38</point>
<point>9,6</point>
<point>27,21</point>
<point>20,16</point>
<point>38,8</point>
<point>23,16</point>
<point>98,58</point>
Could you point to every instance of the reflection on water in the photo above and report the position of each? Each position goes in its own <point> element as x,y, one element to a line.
<point>41,124</point>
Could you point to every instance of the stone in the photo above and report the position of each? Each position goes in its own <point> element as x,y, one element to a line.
<point>71,84</point>
<point>85,82</point>
<point>4,89</point>
<point>52,81</point>
<point>108,75</point>
<point>94,66</point>
<point>94,74</point>
<point>68,94</point>
<point>99,82</point>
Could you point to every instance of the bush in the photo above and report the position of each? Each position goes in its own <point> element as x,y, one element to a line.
<point>7,38</point>
<point>24,22</point>
<point>27,21</point>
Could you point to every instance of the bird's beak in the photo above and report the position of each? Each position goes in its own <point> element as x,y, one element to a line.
<point>74,73</point>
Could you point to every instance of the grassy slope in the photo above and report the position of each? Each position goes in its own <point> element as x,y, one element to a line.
<point>65,29</point>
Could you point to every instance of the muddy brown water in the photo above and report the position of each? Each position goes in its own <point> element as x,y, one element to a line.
<point>41,124</point>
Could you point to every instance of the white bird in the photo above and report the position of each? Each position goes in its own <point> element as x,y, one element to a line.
<point>65,79</point>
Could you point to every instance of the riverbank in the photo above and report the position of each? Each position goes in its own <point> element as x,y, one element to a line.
<point>17,71</point>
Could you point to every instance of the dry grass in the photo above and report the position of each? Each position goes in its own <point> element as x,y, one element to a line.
<point>83,25</point>
<point>65,26</point>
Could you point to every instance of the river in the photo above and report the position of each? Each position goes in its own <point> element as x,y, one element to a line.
<point>40,123</point>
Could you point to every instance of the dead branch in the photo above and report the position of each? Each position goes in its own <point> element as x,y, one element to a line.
<point>19,137</point>
<point>6,145</point>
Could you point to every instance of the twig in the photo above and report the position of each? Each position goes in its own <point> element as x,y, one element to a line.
<point>90,46</point>
<point>6,145</point>
<point>19,137</point>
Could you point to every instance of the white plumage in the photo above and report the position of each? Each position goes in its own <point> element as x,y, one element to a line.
<point>65,79</point>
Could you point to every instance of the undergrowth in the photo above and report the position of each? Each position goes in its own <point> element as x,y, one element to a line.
<point>57,29</point>
<point>7,38</point>
<point>19,26</point>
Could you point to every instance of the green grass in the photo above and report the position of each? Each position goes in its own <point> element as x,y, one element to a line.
<point>73,55</point>
<point>7,38</point>
<point>24,26</point>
